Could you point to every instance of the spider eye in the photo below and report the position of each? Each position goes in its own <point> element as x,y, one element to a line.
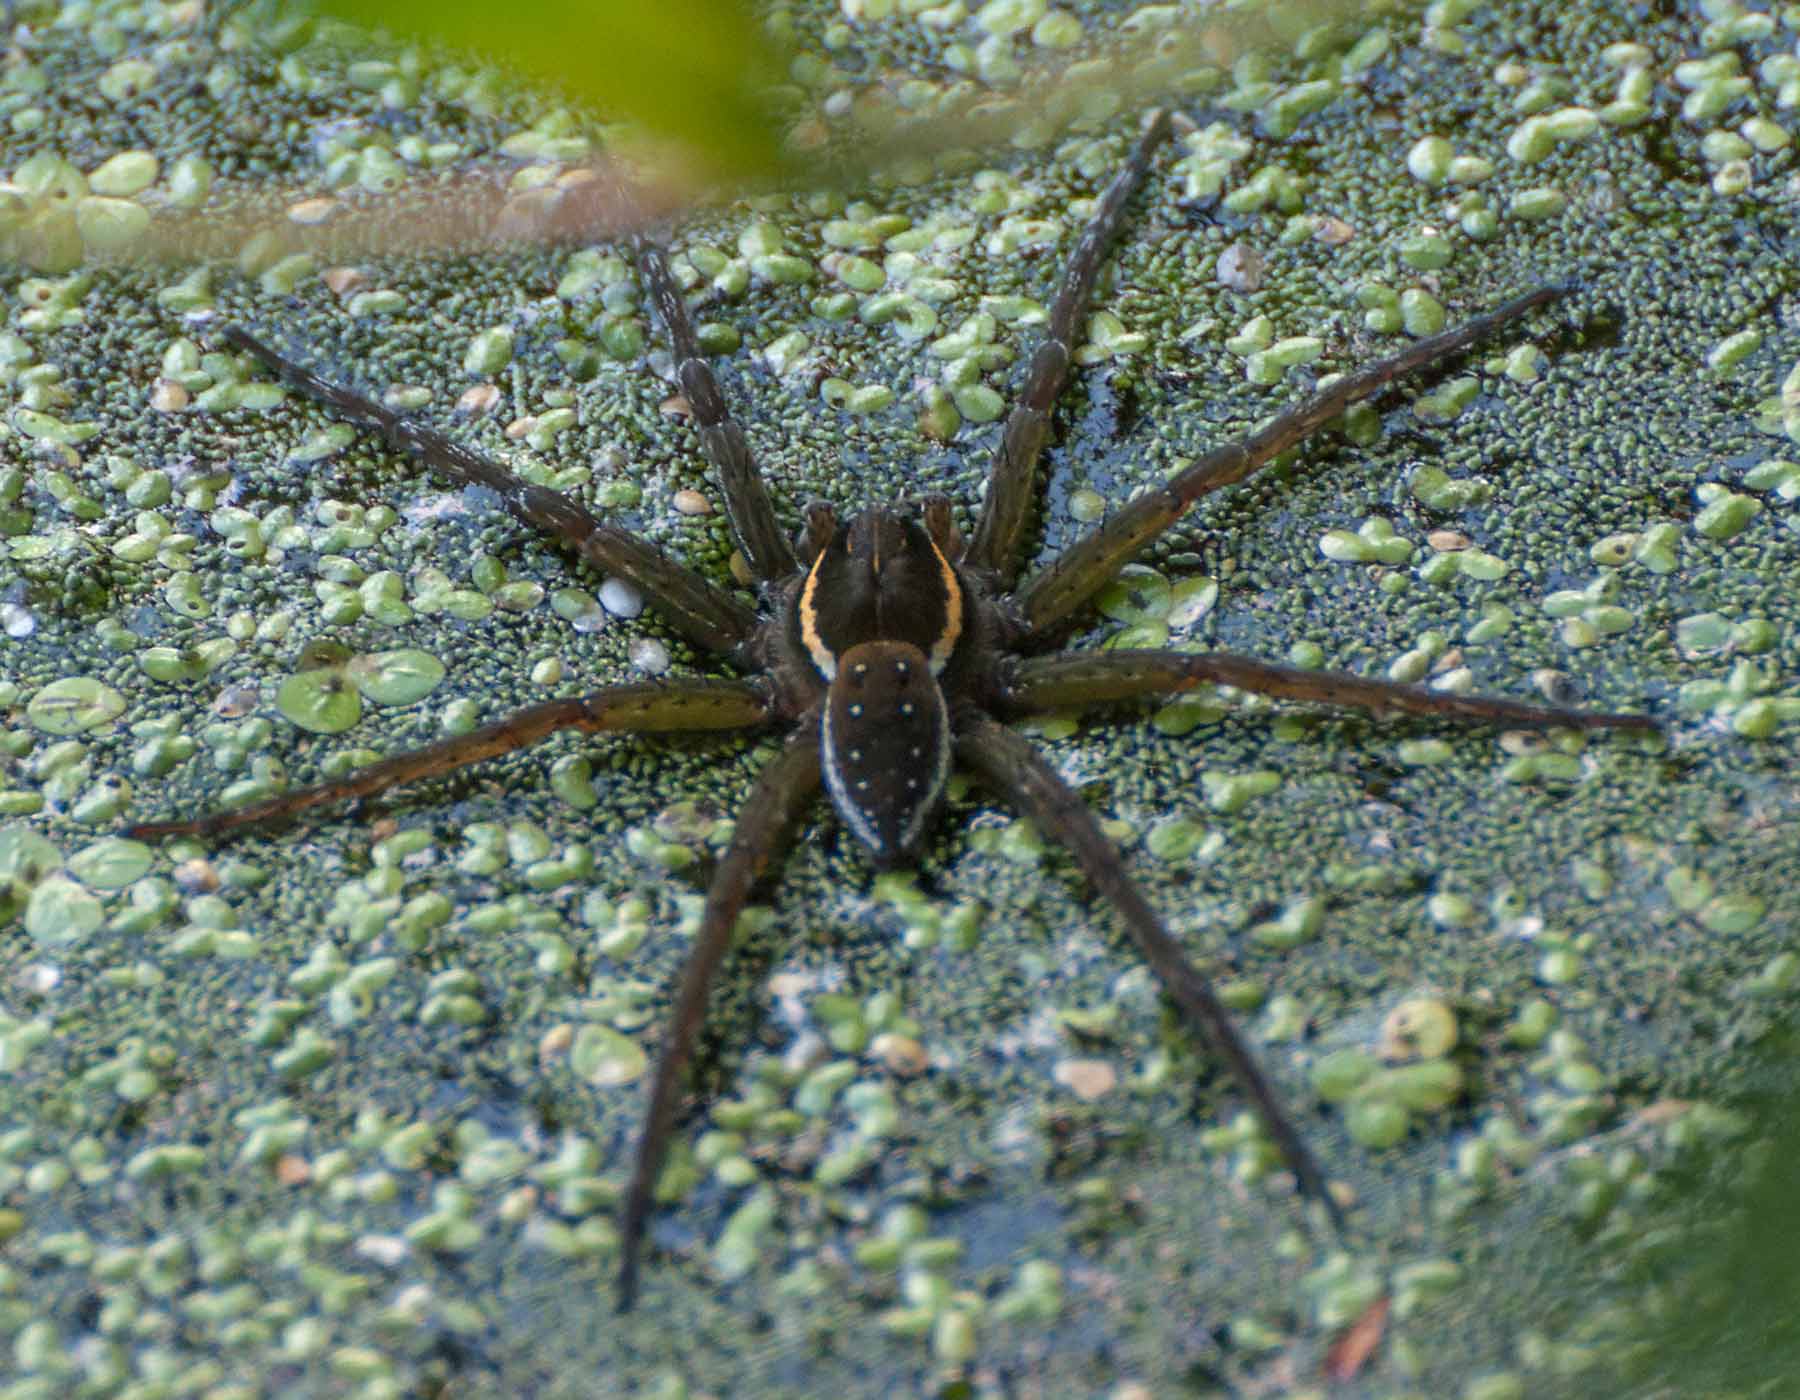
<point>885,746</point>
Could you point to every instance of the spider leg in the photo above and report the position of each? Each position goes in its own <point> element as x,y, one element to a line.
<point>1009,765</point>
<point>994,546</point>
<point>705,614</point>
<point>783,787</point>
<point>1081,678</point>
<point>1086,566</point>
<point>642,708</point>
<point>759,535</point>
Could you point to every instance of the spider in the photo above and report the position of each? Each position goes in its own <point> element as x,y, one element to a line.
<point>891,648</point>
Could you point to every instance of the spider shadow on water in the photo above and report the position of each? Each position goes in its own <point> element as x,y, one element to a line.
<point>894,646</point>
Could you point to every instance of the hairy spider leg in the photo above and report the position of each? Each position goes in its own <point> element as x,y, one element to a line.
<point>1020,774</point>
<point>699,610</point>
<point>642,708</point>
<point>994,544</point>
<point>747,506</point>
<point>1076,679</point>
<point>1046,599</point>
<point>783,788</point>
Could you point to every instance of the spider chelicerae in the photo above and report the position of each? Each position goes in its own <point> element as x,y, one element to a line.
<point>892,647</point>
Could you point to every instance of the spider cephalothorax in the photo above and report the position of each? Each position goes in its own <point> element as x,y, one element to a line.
<point>892,647</point>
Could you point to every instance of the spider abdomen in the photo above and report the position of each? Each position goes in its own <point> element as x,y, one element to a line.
<point>884,741</point>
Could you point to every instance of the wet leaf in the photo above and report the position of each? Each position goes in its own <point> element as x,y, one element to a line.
<point>696,73</point>
<point>1351,1351</point>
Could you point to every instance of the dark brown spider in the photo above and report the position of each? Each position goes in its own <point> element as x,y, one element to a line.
<point>891,647</point>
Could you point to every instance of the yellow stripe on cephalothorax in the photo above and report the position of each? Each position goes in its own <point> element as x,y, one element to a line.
<point>807,611</point>
<point>946,641</point>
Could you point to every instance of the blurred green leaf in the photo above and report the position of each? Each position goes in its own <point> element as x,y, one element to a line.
<point>703,91</point>
<point>1711,1284</point>
<point>697,73</point>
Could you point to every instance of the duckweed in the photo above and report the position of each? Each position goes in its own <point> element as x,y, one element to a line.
<point>60,912</point>
<point>322,701</point>
<point>1231,792</point>
<point>74,705</point>
<point>1374,541</point>
<point>1444,403</point>
<point>1420,1028</point>
<point>977,402</point>
<point>1297,924</point>
<point>489,351</point>
<point>1258,333</point>
<point>1589,614</point>
<point>306,1054</point>
<point>1421,313</point>
<point>1426,252</point>
<point>739,1246</point>
<point>397,678</point>
<point>602,1056</point>
<point>324,443</point>
<point>1742,699</point>
<point>1343,1290</point>
<point>190,180</point>
<point>1429,160</point>
<point>1268,366</point>
<point>1376,1124</point>
<point>867,398</point>
<point>170,1159</point>
<point>1725,512</point>
<point>1539,202</point>
<point>1727,354</point>
<point>1435,487</point>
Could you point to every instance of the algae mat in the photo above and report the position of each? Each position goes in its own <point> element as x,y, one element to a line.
<point>345,1110</point>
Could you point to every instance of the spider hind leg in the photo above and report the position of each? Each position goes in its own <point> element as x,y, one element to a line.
<point>642,708</point>
<point>784,786</point>
<point>1076,679</point>
<point>1010,766</point>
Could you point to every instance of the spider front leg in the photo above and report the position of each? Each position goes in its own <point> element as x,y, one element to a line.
<point>1010,766</point>
<point>994,545</point>
<point>1047,598</point>
<point>644,708</point>
<point>705,614</point>
<point>1084,678</point>
<point>759,535</point>
<point>782,790</point>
